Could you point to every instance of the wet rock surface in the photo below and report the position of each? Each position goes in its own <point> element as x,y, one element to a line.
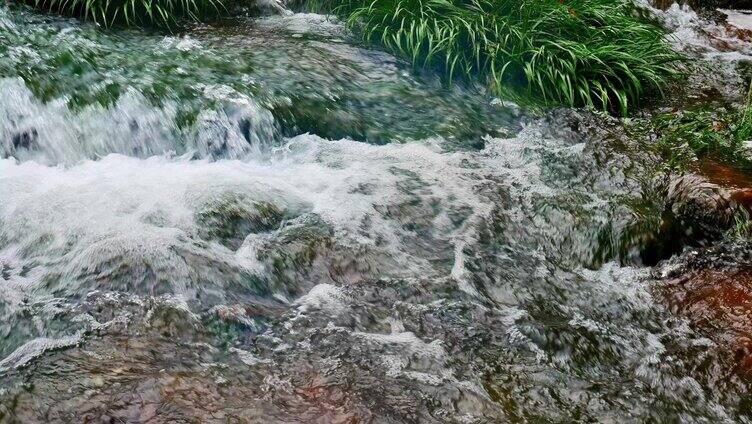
<point>701,209</point>
<point>364,283</point>
<point>712,288</point>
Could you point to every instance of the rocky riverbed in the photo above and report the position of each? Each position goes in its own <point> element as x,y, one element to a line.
<point>262,220</point>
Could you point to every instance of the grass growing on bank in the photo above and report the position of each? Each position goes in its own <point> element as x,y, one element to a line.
<point>595,53</point>
<point>714,132</point>
<point>159,13</point>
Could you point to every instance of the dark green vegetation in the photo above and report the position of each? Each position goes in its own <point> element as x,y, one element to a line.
<point>161,13</point>
<point>715,133</point>
<point>710,143</point>
<point>594,53</point>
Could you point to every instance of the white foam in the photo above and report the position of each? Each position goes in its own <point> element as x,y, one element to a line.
<point>693,34</point>
<point>739,18</point>
<point>35,348</point>
<point>323,297</point>
<point>184,43</point>
<point>144,210</point>
<point>51,133</point>
<point>248,358</point>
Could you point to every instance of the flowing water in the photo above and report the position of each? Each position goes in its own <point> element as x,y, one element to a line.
<point>262,220</point>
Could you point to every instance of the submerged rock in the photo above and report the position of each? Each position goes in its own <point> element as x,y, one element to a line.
<point>703,210</point>
<point>697,211</point>
<point>25,139</point>
<point>230,218</point>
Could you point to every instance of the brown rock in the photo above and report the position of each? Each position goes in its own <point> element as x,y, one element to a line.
<point>719,303</point>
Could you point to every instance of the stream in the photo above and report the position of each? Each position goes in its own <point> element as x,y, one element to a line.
<point>263,220</point>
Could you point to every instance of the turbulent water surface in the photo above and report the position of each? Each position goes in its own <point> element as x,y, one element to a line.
<point>261,220</point>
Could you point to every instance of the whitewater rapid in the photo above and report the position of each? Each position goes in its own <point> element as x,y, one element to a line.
<point>266,221</point>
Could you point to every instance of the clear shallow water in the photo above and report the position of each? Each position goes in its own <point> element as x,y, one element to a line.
<point>262,221</point>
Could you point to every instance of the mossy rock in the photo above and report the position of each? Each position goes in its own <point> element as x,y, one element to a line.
<point>292,254</point>
<point>229,218</point>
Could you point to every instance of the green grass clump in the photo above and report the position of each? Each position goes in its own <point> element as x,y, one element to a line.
<point>594,53</point>
<point>714,132</point>
<point>742,228</point>
<point>157,13</point>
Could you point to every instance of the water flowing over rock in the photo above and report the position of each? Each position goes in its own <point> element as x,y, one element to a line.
<point>702,209</point>
<point>262,221</point>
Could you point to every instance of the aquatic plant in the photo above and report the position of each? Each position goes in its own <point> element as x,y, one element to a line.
<point>742,228</point>
<point>743,131</point>
<point>595,53</point>
<point>161,13</point>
